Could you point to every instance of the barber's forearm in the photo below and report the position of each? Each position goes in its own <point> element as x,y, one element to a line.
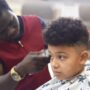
<point>1,69</point>
<point>7,83</point>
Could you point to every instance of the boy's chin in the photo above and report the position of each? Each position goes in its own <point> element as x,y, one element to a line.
<point>60,78</point>
<point>63,78</point>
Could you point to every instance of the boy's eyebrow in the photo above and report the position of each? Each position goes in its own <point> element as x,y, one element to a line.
<point>57,52</point>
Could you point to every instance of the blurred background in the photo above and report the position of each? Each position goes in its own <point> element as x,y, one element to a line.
<point>52,9</point>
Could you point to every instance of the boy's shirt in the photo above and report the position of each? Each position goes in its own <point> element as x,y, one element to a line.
<point>80,82</point>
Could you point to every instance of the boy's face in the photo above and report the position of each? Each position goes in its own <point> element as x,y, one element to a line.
<point>66,62</point>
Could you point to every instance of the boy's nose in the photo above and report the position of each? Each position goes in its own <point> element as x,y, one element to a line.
<point>55,63</point>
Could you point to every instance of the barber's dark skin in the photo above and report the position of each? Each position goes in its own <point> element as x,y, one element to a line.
<point>9,26</point>
<point>32,63</point>
<point>7,31</point>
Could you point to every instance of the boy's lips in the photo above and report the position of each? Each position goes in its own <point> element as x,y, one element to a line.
<point>57,73</point>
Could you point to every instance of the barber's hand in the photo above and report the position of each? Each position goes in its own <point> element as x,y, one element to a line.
<point>33,62</point>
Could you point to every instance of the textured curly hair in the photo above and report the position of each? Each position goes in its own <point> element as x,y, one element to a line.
<point>67,31</point>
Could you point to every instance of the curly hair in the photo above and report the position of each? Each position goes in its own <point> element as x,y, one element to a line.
<point>67,31</point>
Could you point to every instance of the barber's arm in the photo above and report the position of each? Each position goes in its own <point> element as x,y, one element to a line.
<point>7,83</point>
<point>32,63</point>
<point>2,67</point>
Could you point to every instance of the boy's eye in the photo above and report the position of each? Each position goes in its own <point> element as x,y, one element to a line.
<point>51,57</point>
<point>58,57</point>
<point>61,57</point>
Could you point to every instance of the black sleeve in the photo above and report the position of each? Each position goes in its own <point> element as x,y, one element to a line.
<point>43,22</point>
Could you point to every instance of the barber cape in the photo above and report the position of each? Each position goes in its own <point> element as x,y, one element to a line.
<point>80,82</point>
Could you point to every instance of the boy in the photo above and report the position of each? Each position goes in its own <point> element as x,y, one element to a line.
<point>67,41</point>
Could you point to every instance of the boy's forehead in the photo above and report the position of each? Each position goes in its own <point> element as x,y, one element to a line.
<point>64,49</point>
<point>57,48</point>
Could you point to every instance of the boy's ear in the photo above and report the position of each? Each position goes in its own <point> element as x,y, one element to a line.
<point>84,56</point>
